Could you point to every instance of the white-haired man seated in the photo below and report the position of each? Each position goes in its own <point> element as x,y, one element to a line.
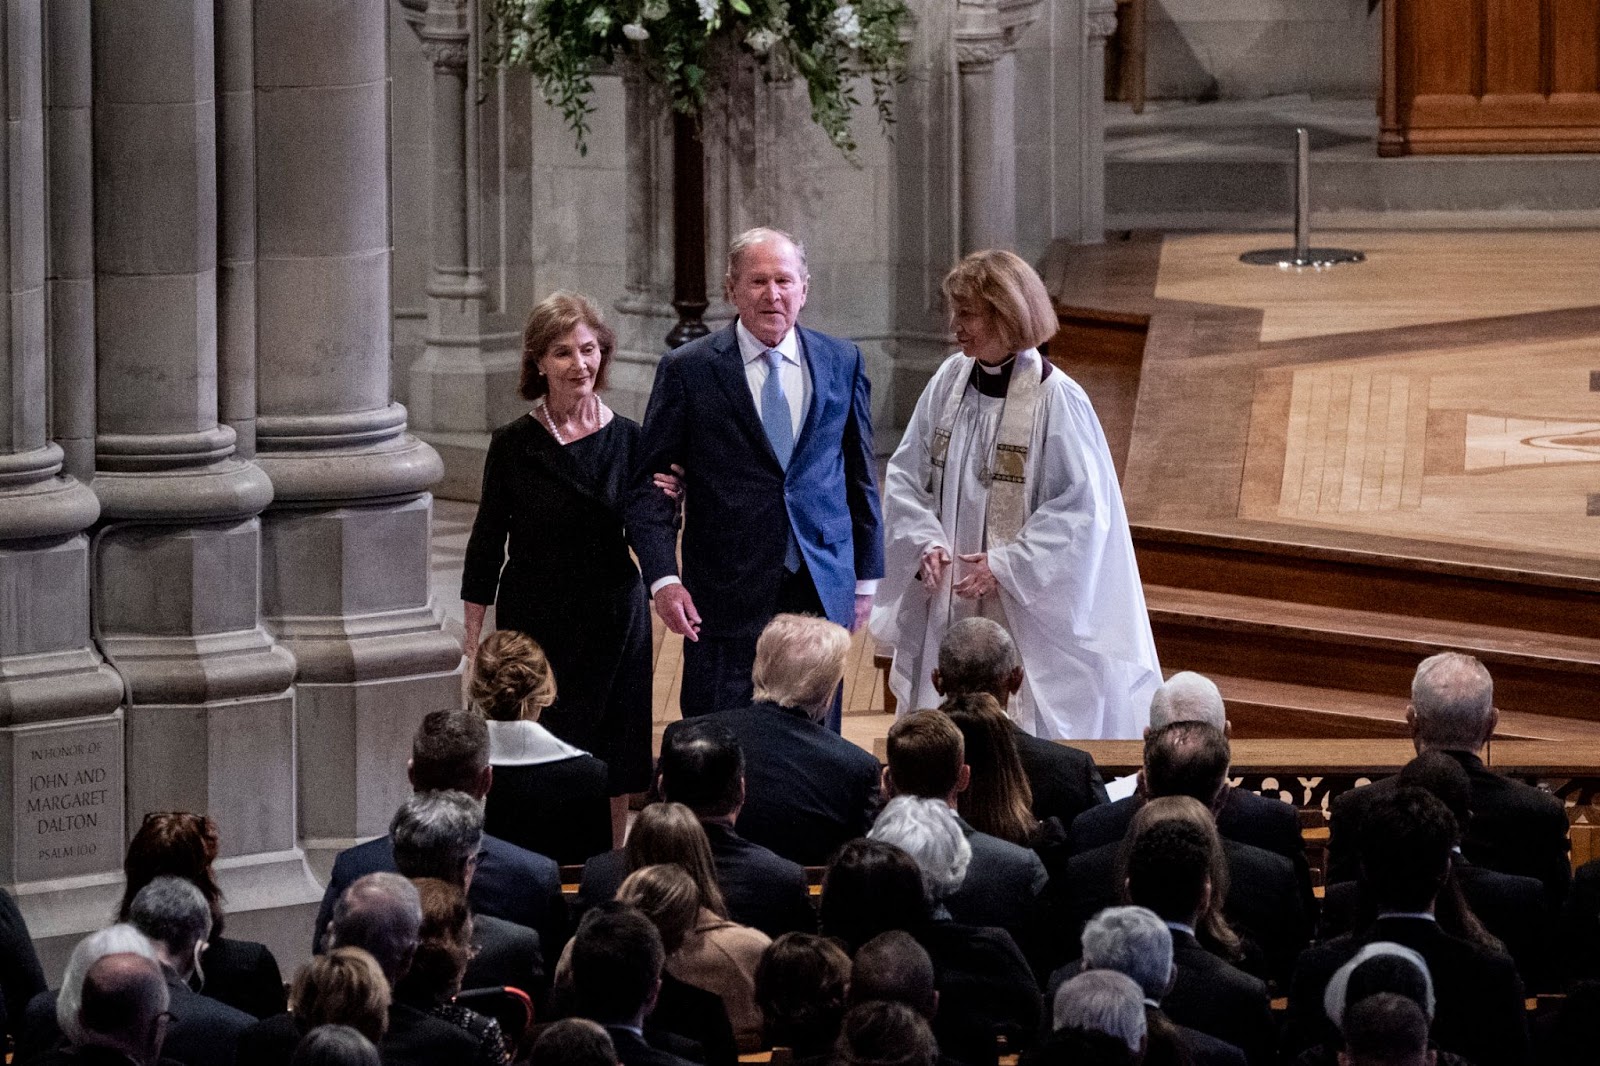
<point>1515,828</point>
<point>50,1020</point>
<point>807,789</point>
<point>1098,1018</point>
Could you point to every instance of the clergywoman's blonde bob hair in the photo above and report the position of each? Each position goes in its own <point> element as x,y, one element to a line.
<point>1000,283</point>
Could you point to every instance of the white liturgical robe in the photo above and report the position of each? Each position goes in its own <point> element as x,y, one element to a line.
<point>1069,591</point>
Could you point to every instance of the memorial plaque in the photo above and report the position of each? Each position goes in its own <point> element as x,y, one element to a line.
<point>67,799</point>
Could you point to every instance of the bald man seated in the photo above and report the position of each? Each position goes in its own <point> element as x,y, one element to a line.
<point>121,1017</point>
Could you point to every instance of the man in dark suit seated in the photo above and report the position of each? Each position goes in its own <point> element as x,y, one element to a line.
<point>440,834</point>
<point>1405,845</point>
<point>382,915</point>
<point>1096,1017</point>
<point>1134,941</point>
<point>978,655</point>
<point>1515,828</point>
<point>808,790</point>
<point>451,751</point>
<point>1511,908</point>
<point>1244,816</point>
<point>616,975</point>
<point>926,760</point>
<point>121,1018</point>
<point>702,767</point>
<point>1169,872</point>
<point>21,976</point>
<point>1265,901</point>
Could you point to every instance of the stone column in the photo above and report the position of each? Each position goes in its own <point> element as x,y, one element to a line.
<point>346,563</point>
<point>986,33</point>
<point>469,358</point>
<point>211,716</point>
<point>61,809</point>
<point>236,222</point>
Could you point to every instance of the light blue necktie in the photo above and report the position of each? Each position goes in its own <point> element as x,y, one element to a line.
<point>776,419</point>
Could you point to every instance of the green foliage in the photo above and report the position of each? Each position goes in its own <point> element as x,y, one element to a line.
<point>685,46</point>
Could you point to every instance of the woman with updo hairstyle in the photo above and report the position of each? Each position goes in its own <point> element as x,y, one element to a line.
<point>241,973</point>
<point>444,947</point>
<point>345,986</point>
<point>549,548</point>
<point>546,796</point>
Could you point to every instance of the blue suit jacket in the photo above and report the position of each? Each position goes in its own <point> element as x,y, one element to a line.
<point>739,502</point>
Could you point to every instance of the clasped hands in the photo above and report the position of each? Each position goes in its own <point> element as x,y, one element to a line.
<point>979,582</point>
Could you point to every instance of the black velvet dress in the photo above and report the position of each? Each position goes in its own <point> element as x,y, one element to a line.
<point>553,515</point>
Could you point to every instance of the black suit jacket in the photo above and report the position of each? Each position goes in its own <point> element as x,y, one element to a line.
<point>507,954</point>
<point>633,1051</point>
<point>560,809</point>
<point>1515,828</point>
<point>269,1042</point>
<point>202,1032</point>
<point>1217,998</point>
<point>762,890</point>
<point>21,977</point>
<point>807,789</point>
<point>1203,1048</point>
<point>1479,1011</point>
<point>244,975</point>
<point>691,1023</point>
<point>1263,904</point>
<point>1002,886</point>
<point>511,883</point>
<point>1065,781</point>
<point>1580,925</point>
<point>1244,816</point>
<point>739,503</point>
<point>985,989</point>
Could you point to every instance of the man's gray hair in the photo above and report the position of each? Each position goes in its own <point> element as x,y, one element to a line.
<point>172,912</point>
<point>1102,1001</point>
<point>119,939</point>
<point>435,834</point>
<point>1188,697</point>
<point>927,830</point>
<point>976,655</point>
<point>381,914</point>
<point>1133,941</point>
<point>761,235</point>
<point>1452,697</point>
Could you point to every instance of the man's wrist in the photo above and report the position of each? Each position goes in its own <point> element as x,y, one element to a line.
<point>662,582</point>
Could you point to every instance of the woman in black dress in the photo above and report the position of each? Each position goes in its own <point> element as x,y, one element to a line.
<point>554,483</point>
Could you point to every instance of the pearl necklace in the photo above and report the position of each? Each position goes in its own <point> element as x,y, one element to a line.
<point>543,410</point>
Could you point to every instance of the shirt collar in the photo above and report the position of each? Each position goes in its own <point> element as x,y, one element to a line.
<point>1420,916</point>
<point>1181,927</point>
<point>751,349</point>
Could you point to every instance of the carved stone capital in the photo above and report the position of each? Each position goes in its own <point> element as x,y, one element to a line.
<point>1100,19</point>
<point>445,29</point>
<point>985,30</point>
<point>444,53</point>
<point>980,51</point>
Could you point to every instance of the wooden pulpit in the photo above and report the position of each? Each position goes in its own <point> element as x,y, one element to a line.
<point>1490,76</point>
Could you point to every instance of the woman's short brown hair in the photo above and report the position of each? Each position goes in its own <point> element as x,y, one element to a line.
<point>173,844</point>
<point>556,316</point>
<point>343,987</point>
<point>511,677</point>
<point>668,896</point>
<point>1006,287</point>
<point>444,943</point>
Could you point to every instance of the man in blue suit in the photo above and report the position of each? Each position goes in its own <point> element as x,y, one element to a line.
<point>772,426</point>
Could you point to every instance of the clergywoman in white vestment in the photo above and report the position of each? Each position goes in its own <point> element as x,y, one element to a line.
<point>1002,501</point>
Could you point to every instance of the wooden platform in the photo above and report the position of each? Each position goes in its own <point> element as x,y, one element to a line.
<point>1333,474</point>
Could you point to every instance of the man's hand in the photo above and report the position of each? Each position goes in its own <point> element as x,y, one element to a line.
<point>934,560</point>
<point>676,608</point>
<point>863,612</point>
<point>980,580</point>
<point>671,485</point>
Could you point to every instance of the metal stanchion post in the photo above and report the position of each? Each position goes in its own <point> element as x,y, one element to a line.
<point>1302,254</point>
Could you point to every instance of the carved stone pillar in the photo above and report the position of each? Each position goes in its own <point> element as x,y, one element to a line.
<point>986,33</point>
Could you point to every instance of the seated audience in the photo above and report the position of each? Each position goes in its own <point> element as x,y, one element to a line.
<point>335,1045</point>
<point>573,1042</point>
<point>885,1034</point>
<point>444,944</point>
<point>988,990</point>
<point>52,1017</point>
<point>892,966</point>
<point>440,835</point>
<point>381,914</point>
<point>241,973</point>
<point>120,1018</point>
<point>1499,911</point>
<point>1241,815</point>
<point>617,958</point>
<point>927,760</point>
<point>343,987</point>
<point>1098,1018</point>
<point>1405,843</point>
<point>1175,866</point>
<point>1386,1030</point>
<point>870,888</point>
<point>978,656</point>
<point>1135,942</point>
<point>450,752</point>
<point>1515,828</point>
<point>1380,967</point>
<point>800,986</point>
<point>808,790</point>
<point>1264,902</point>
<point>702,767</point>
<point>998,799</point>
<point>1565,1036</point>
<point>547,796</point>
<point>21,976</point>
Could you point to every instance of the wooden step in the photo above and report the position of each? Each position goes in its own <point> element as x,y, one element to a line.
<point>1367,651</point>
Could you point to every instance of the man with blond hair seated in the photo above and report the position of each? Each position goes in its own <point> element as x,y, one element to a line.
<point>807,789</point>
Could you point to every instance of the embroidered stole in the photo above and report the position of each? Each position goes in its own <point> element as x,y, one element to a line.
<point>1006,472</point>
